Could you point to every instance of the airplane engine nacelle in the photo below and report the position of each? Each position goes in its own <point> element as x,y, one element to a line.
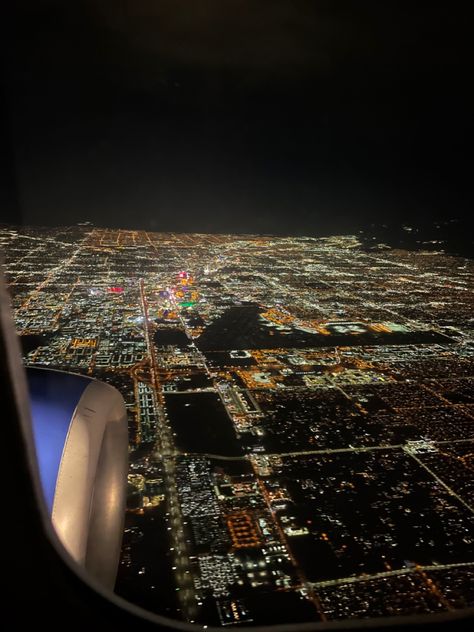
<point>81,438</point>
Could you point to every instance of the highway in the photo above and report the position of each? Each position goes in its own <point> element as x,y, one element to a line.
<point>400,571</point>
<point>165,451</point>
<point>440,481</point>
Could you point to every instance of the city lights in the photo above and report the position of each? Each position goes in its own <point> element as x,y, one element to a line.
<point>301,414</point>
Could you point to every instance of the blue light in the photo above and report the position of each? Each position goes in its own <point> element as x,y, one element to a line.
<point>53,400</point>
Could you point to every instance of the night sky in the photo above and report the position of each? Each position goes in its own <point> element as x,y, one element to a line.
<point>272,116</point>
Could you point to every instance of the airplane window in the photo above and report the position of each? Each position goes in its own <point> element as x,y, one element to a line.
<point>237,232</point>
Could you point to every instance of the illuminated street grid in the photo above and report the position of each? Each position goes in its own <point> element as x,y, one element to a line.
<point>301,414</point>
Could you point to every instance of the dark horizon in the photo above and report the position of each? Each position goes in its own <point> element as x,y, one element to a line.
<point>279,118</point>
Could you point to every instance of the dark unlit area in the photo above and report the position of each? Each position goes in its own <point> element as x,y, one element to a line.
<point>285,117</point>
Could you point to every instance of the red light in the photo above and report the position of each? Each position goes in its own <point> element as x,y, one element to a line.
<point>115,290</point>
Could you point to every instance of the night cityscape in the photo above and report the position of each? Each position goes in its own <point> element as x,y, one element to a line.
<point>301,413</point>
